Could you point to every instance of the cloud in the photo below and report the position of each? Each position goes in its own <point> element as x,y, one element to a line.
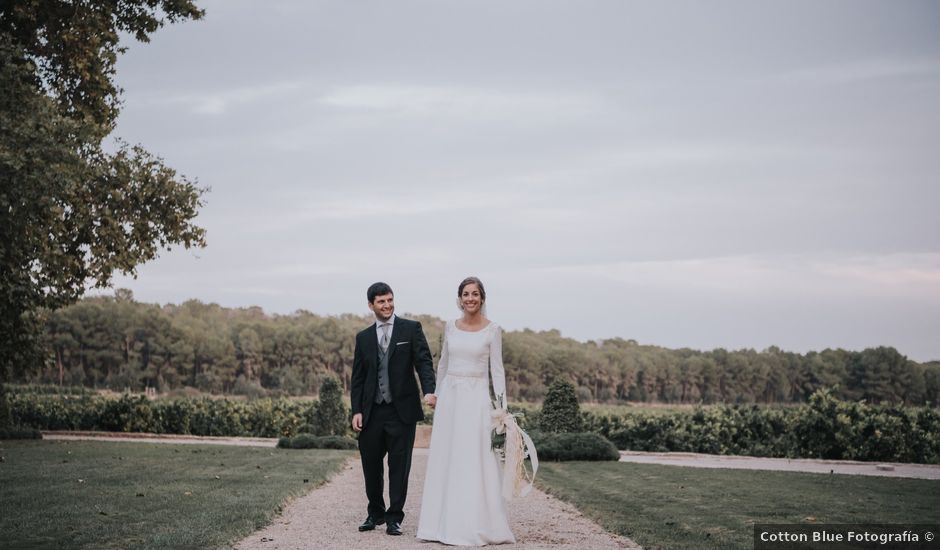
<point>376,205</point>
<point>680,153</point>
<point>402,201</point>
<point>454,101</point>
<point>906,271</point>
<point>914,276</point>
<point>864,70</point>
<point>220,102</point>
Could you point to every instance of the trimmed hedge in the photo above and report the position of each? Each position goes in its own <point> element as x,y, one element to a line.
<point>310,441</point>
<point>573,446</point>
<point>203,416</point>
<point>19,432</point>
<point>825,427</point>
<point>50,389</point>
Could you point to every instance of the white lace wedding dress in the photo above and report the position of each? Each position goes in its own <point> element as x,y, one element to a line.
<point>462,502</point>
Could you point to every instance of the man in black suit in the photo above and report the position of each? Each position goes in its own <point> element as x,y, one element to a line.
<point>386,404</point>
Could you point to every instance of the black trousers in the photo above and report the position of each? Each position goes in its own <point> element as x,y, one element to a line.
<point>386,434</point>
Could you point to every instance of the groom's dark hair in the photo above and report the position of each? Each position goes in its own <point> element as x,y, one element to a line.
<point>378,289</point>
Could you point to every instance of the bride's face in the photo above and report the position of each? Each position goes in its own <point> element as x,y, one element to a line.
<point>470,299</point>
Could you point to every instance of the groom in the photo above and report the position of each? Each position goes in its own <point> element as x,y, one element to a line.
<point>386,403</point>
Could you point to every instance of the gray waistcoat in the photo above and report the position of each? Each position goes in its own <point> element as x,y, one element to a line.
<point>383,393</point>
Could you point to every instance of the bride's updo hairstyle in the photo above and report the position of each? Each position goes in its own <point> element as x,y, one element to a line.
<point>479,283</point>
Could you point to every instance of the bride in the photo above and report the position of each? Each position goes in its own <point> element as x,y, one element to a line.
<point>463,503</point>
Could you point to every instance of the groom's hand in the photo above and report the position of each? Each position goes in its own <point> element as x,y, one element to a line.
<point>430,399</point>
<point>357,422</point>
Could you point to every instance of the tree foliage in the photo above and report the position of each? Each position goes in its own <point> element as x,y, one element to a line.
<point>71,212</point>
<point>74,46</point>
<point>560,411</point>
<point>119,343</point>
<point>332,416</point>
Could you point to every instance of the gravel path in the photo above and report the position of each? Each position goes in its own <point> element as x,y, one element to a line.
<point>328,517</point>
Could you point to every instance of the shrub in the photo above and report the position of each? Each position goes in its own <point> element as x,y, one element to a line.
<point>174,416</point>
<point>249,388</point>
<point>201,416</point>
<point>310,441</point>
<point>337,442</point>
<point>573,446</point>
<point>560,411</point>
<point>19,432</point>
<point>128,414</point>
<point>825,427</point>
<point>331,414</point>
<point>54,389</point>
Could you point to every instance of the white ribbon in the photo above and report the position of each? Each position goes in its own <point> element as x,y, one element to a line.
<point>516,479</point>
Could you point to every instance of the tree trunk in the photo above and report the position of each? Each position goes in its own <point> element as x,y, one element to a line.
<point>58,360</point>
<point>6,416</point>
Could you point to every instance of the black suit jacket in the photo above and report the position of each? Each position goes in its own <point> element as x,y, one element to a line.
<point>409,354</point>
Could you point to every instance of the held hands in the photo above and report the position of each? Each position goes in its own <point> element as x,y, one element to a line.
<point>430,399</point>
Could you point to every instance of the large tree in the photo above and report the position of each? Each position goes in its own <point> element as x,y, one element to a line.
<point>71,212</point>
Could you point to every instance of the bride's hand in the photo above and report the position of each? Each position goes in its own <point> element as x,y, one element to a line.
<point>430,399</point>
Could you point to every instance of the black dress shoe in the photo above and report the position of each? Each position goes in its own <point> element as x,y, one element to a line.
<point>393,528</point>
<point>370,523</point>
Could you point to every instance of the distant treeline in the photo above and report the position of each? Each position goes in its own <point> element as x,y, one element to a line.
<point>118,343</point>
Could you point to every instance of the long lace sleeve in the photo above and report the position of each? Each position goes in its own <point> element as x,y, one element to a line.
<point>442,364</point>
<point>497,371</point>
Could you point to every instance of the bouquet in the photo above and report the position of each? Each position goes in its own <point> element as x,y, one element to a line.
<point>513,446</point>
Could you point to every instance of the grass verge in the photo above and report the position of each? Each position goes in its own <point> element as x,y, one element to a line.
<point>97,494</point>
<point>682,508</point>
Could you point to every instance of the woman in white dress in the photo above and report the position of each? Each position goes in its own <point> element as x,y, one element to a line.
<point>462,502</point>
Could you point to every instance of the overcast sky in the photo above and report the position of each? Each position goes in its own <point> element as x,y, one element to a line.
<point>685,174</point>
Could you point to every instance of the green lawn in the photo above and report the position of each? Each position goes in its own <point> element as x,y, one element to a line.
<point>680,508</point>
<point>98,494</point>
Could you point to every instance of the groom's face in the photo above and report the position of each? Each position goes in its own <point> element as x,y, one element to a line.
<point>383,307</point>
